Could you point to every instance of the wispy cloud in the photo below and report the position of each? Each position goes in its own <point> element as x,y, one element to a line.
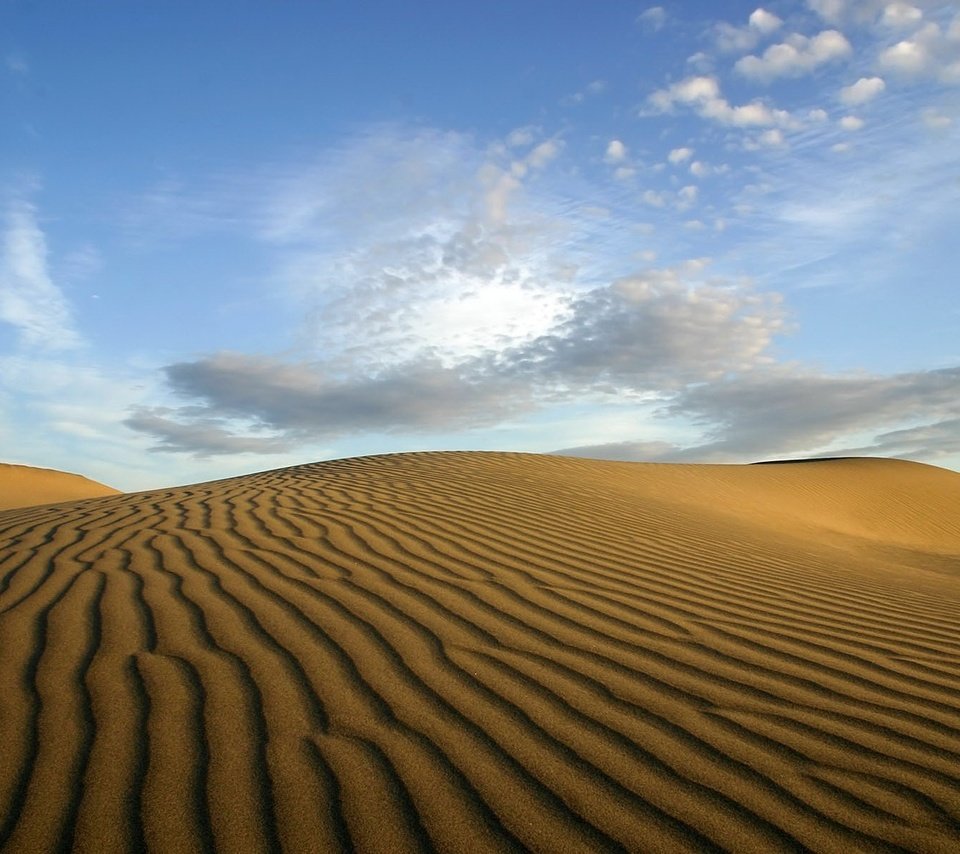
<point>653,19</point>
<point>17,64</point>
<point>29,299</point>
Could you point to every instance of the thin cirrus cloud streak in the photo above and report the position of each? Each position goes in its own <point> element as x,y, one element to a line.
<point>29,299</point>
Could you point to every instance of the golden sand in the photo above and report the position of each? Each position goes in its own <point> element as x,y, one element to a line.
<point>25,486</point>
<point>488,652</point>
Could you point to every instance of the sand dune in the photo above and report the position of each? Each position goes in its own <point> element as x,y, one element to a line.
<point>25,486</point>
<point>488,652</point>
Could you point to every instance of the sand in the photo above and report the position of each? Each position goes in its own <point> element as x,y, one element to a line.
<point>488,652</point>
<point>25,486</point>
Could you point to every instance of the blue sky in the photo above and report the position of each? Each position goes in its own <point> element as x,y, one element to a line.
<point>247,235</point>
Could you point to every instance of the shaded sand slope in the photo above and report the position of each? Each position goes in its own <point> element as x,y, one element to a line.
<point>25,486</point>
<point>488,652</point>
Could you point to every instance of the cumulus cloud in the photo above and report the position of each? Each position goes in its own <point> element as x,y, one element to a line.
<point>863,12</point>
<point>680,155</point>
<point>796,56</point>
<point>851,123</point>
<point>831,11</point>
<point>764,21</point>
<point>731,39</point>
<point>29,299</point>
<point>616,152</point>
<point>772,138</point>
<point>702,94</point>
<point>929,52</point>
<point>900,15</point>
<point>865,89</point>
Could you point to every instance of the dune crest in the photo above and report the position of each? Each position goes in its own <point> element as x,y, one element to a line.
<point>488,652</point>
<point>27,486</point>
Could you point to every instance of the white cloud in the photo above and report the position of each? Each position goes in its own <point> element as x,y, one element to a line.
<point>702,93</point>
<point>731,39</point>
<point>624,173</point>
<point>865,89</point>
<point>699,169</point>
<point>542,154</point>
<point>831,11</point>
<point>616,152</point>
<point>851,123</point>
<point>521,137</point>
<point>29,299</point>
<point>935,120</point>
<point>906,57</point>
<point>680,155</point>
<point>686,197</point>
<point>691,90</point>
<point>503,183</point>
<point>928,52</point>
<point>772,138</point>
<point>764,22</point>
<point>900,15</point>
<point>701,61</point>
<point>796,56</point>
<point>653,18</point>
<point>654,199</point>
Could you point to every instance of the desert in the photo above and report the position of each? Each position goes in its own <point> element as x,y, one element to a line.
<point>487,652</point>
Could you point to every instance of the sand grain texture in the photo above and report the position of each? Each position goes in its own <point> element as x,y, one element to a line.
<point>488,652</point>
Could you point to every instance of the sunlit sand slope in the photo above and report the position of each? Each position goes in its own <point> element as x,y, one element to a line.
<point>24,486</point>
<point>488,652</point>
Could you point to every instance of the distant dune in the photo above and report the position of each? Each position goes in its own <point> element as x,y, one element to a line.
<point>488,652</point>
<point>25,486</point>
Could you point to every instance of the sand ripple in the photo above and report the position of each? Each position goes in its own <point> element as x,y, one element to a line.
<point>487,652</point>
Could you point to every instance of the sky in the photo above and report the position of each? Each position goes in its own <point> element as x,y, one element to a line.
<point>239,236</point>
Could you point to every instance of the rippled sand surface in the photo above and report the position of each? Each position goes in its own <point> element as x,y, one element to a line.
<point>487,652</point>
